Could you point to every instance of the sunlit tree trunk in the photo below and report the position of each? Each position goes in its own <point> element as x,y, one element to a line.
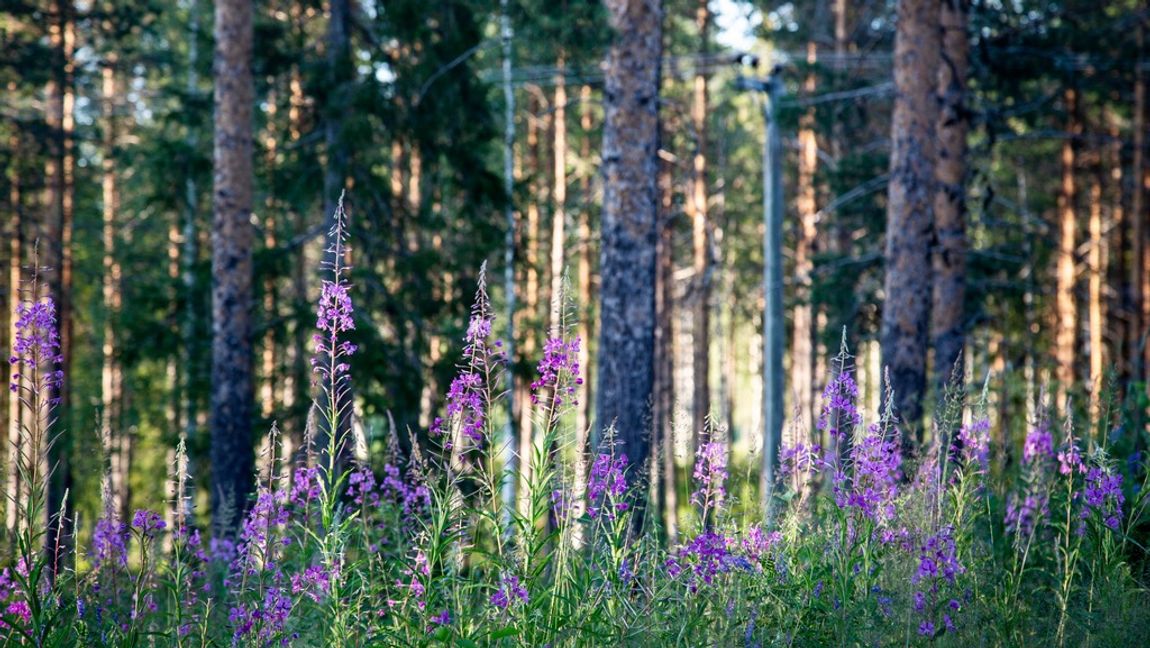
<point>802,352</point>
<point>269,360</point>
<point>233,460</point>
<point>947,311</point>
<point>1066,312</point>
<point>530,316</point>
<point>15,412</point>
<point>907,287</point>
<point>1095,270</point>
<point>700,244</point>
<point>559,196</point>
<point>111,374</point>
<point>586,307</point>
<point>626,364</point>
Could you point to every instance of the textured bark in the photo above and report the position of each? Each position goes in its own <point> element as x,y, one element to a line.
<point>947,310</point>
<point>630,212</point>
<point>802,351</point>
<point>232,398</point>
<point>664,385</point>
<point>701,245</point>
<point>906,311</point>
<point>1065,310</point>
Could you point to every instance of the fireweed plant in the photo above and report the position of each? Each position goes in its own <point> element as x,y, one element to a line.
<point>973,539</point>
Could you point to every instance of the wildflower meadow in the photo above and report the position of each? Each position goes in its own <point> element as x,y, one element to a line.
<point>972,540</point>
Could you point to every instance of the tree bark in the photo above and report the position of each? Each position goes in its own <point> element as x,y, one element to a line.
<point>626,364</point>
<point>58,260</point>
<point>586,308</point>
<point>1139,290</point>
<point>1066,312</point>
<point>233,460</point>
<point>802,351</point>
<point>559,194</point>
<point>16,235</point>
<point>947,311</point>
<point>701,248</point>
<point>1096,270</point>
<point>907,287</point>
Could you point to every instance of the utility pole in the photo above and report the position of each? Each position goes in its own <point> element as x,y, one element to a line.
<point>772,88</point>
<point>508,450</point>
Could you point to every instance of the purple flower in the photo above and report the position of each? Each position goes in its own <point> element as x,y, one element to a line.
<point>109,543</point>
<point>510,592</point>
<point>872,486</point>
<point>1103,495</point>
<point>975,441</point>
<point>710,476</point>
<point>606,482</point>
<point>840,416</point>
<point>558,371</point>
<point>1039,444</point>
<point>465,403</point>
<point>1024,514</point>
<point>37,347</point>
<point>314,582</point>
<point>148,523</point>
<point>757,544</point>
<point>442,619</point>
<point>801,459</point>
<point>707,555</point>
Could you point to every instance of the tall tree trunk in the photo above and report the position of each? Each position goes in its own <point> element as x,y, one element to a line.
<point>1096,270</point>
<point>1066,312</point>
<point>189,257</point>
<point>111,376</point>
<point>1139,290</point>
<point>269,351</point>
<point>626,364</point>
<point>586,308</point>
<point>233,460</point>
<point>802,352</point>
<point>559,196</point>
<point>947,311</point>
<point>339,73</point>
<point>530,315</point>
<point>664,381</point>
<point>62,97</point>
<point>906,311</point>
<point>15,411</point>
<point>701,248</point>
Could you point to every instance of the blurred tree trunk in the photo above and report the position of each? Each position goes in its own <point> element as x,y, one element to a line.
<point>1066,313</point>
<point>340,72</point>
<point>1139,251</point>
<point>58,262</point>
<point>189,257</point>
<point>947,311</point>
<point>233,460</point>
<point>802,352</point>
<point>111,373</point>
<point>16,236</point>
<point>664,379</point>
<point>630,151</point>
<point>586,307</point>
<point>559,194</point>
<point>907,287</point>
<point>700,244</point>
<point>1095,269</point>
<point>269,349</point>
<point>530,315</point>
